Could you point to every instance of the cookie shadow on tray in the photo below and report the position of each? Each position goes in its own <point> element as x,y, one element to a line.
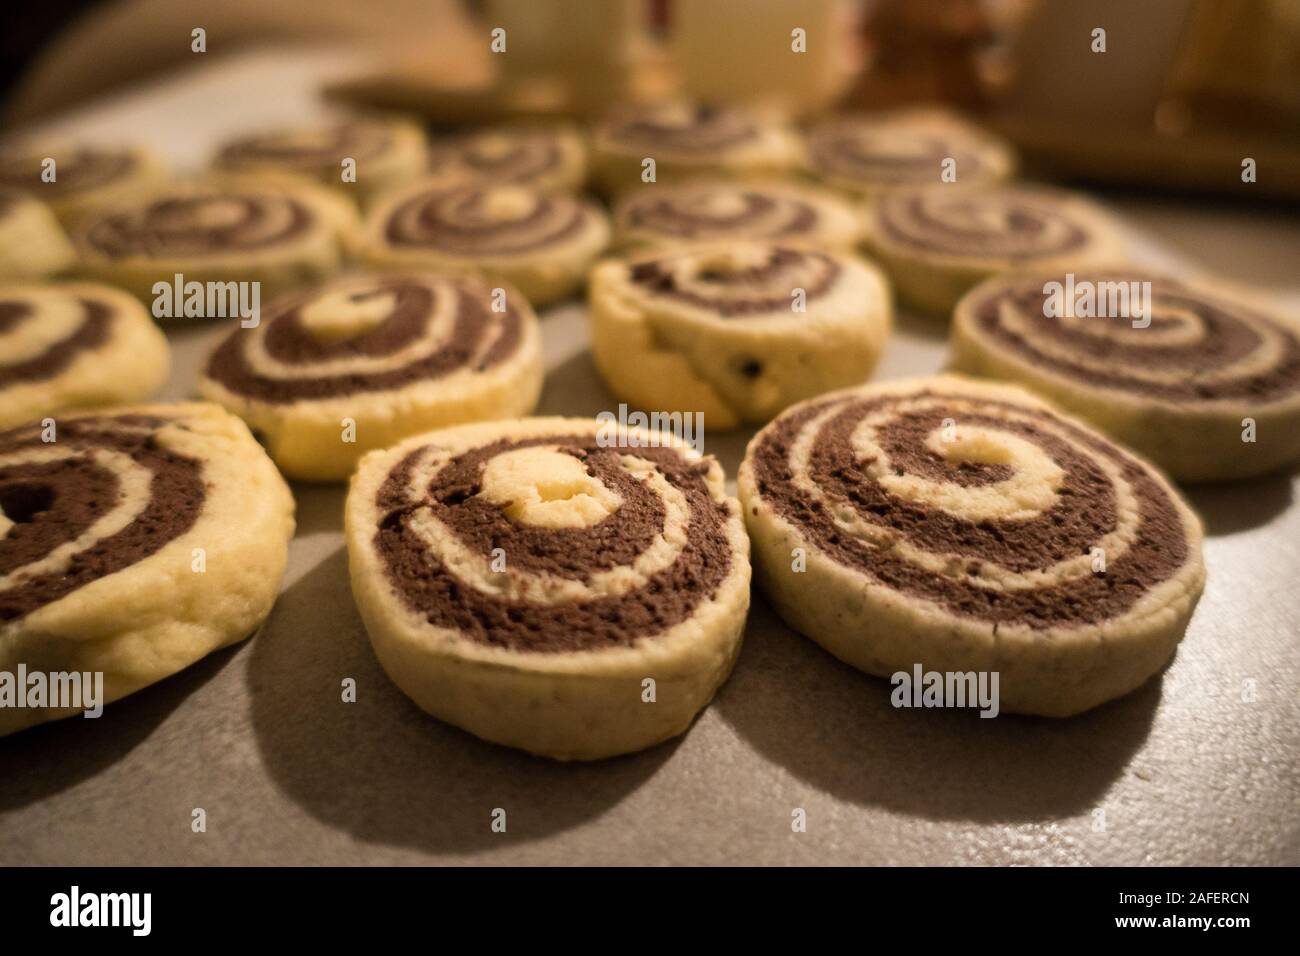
<point>383,770</point>
<point>836,729</point>
<point>45,760</point>
<point>1233,506</point>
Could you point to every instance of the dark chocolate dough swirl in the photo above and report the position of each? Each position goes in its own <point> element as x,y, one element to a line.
<point>1016,224</point>
<point>733,288</point>
<point>200,225</point>
<point>53,494</point>
<point>1196,347</point>
<point>1003,569</point>
<point>274,362</point>
<point>714,211</point>
<point>664,596</point>
<point>472,221</point>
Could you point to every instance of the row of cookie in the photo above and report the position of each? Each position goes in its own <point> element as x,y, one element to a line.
<point>1207,385</point>
<point>580,591</point>
<point>860,155</point>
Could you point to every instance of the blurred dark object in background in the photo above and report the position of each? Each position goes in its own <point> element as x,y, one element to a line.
<point>25,36</point>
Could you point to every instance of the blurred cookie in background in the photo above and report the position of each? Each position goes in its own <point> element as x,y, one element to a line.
<point>32,243</point>
<point>709,211</point>
<point>670,141</point>
<point>541,244</point>
<point>75,345</point>
<point>363,156</point>
<point>79,180</point>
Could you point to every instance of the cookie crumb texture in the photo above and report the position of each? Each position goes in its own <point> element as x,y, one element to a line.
<point>959,526</point>
<point>543,588</point>
<point>135,544</point>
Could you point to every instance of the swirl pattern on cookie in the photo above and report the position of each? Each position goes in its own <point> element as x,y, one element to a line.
<point>203,224</point>
<point>368,334</point>
<point>102,497</point>
<point>731,286</point>
<point>1196,347</point>
<point>547,160</point>
<point>309,150</point>
<point>699,212</point>
<point>634,548</point>
<point>690,129</point>
<point>394,354</point>
<point>870,153</point>
<point>77,170</point>
<point>995,526</point>
<point>74,345</point>
<point>522,579</point>
<point>484,222</point>
<point>1018,225</point>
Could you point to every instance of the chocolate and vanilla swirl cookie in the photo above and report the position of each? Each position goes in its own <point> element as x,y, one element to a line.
<point>686,140</point>
<point>279,234</point>
<point>712,211</point>
<point>133,543</point>
<point>384,154</point>
<point>938,241</point>
<point>367,360</point>
<point>736,331</point>
<point>32,243</point>
<point>969,527</point>
<point>75,345</point>
<point>1205,385</point>
<point>541,244</point>
<point>74,181</point>
<point>866,153</point>
<point>552,584</point>
<point>548,159</point>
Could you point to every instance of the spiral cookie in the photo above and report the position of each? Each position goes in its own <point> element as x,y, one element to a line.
<point>132,544</point>
<point>368,360</point>
<point>546,159</point>
<point>865,154</point>
<point>705,211</point>
<point>77,180</point>
<point>938,241</point>
<point>968,527</point>
<point>32,243</point>
<point>686,140</point>
<point>72,346</point>
<point>552,584</point>
<point>736,332</point>
<point>272,233</point>
<point>541,244</point>
<point>384,153</point>
<point>1205,386</point>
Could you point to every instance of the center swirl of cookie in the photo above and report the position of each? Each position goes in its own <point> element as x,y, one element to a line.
<point>737,282</point>
<point>552,543</point>
<point>488,221</point>
<point>991,510</point>
<point>547,488</point>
